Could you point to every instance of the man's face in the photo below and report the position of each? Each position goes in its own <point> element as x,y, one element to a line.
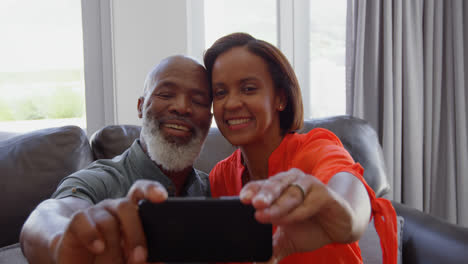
<point>176,113</point>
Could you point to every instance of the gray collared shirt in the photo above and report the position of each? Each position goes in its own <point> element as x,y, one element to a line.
<point>109,179</point>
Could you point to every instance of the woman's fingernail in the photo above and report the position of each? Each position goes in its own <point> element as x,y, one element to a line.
<point>98,245</point>
<point>246,194</point>
<point>139,255</point>
<point>264,198</point>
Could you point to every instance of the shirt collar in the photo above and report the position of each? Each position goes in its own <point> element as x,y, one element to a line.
<point>148,169</point>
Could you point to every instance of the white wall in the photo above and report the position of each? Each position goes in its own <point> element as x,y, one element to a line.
<point>143,33</point>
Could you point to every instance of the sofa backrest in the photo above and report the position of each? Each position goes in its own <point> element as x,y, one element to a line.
<point>113,140</point>
<point>31,167</point>
<point>357,136</point>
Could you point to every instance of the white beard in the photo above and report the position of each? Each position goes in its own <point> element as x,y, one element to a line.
<point>171,156</point>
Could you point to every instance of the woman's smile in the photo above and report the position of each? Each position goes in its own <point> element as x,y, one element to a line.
<point>239,123</point>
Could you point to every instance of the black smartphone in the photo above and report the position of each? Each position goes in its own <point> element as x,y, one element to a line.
<point>204,230</point>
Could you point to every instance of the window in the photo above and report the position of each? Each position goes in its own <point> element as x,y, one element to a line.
<point>311,33</point>
<point>327,58</point>
<point>226,16</point>
<point>41,66</point>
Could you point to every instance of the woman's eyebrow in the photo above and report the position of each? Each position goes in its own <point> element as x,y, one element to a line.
<point>248,79</point>
<point>218,84</point>
<point>241,81</point>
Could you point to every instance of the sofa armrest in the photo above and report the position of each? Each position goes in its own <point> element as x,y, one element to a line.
<point>12,255</point>
<point>427,239</point>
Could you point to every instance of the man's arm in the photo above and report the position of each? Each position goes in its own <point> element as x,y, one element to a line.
<point>72,230</point>
<point>45,225</point>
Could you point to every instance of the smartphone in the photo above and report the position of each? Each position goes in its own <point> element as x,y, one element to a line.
<point>204,230</point>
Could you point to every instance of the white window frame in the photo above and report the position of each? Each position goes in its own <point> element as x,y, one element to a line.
<point>101,76</point>
<point>293,37</point>
<point>98,64</point>
<point>195,29</point>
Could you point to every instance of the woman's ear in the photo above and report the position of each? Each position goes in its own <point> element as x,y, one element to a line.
<point>281,102</point>
<point>280,107</point>
<point>141,102</point>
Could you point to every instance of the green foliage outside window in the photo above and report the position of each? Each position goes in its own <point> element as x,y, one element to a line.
<point>41,95</point>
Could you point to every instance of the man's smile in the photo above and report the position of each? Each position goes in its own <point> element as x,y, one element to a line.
<point>177,127</point>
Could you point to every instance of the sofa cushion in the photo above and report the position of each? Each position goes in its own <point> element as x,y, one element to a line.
<point>31,166</point>
<point>369,243</point>
<point>113,140</point>
<point>12,255</point>
<point>215,149</point>
<point>6,135</point>
<point>357,136</point>
<point>428,239</point>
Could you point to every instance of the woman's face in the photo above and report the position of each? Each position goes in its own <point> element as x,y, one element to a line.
<point>245,104</point>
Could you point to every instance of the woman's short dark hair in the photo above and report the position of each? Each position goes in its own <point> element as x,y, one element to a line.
<point>282,74</point>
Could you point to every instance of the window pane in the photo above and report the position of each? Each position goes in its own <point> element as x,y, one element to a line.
<point>257,18</point>
<point>41,66</point>
<point>327,57</point>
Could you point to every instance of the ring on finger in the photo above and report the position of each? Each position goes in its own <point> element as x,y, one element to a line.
<point>300,187</point>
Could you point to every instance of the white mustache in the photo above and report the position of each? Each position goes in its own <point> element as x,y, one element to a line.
<point>164,119</point>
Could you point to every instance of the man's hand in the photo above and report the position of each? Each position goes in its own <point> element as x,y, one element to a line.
<point>108,232</point>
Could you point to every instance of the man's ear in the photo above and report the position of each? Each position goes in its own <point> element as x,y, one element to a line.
<point>141,102</point>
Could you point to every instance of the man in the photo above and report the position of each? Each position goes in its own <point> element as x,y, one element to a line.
<point>93,217</point>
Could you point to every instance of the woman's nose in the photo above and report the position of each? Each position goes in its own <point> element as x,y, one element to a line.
<point>232,102</point>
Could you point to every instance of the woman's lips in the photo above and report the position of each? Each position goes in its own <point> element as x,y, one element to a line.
<point>238,123</point>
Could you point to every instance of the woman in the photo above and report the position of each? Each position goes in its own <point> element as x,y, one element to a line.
<point>306,185</point>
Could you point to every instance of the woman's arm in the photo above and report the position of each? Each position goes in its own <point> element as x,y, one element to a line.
<point>353,192</point>
<point>308,213</point>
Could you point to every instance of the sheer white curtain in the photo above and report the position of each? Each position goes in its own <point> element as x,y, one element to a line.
<point>407,74</point>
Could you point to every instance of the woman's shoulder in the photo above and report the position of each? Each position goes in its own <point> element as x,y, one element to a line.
<point>316,135</point>
<point>304,145</point>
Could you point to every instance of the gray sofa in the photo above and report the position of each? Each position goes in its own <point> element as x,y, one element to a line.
<point>32,164</point>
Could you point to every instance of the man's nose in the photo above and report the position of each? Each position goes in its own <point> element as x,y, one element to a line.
<point>182,105</point>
